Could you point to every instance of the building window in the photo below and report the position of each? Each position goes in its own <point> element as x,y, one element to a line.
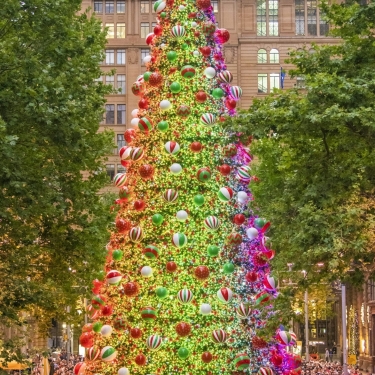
<point>110,114</point>
<point>110,80</point>
<point>120,30</point>
<point>274,81</point>
<point>120,142</point>
<point>215,5</point>
<point>267,17</point>
<point>144,52</point>
<point>312,17</point>
<point>110,56</point>
<point>153,25</point>
<point>308,17</point>
<point>262,83</point>
<point>110,30</point>
<point>109,7</point>
<point>323,25</point>
<point>121,83</point>
<point>300,17</point>
<point>121,57</point>
<point>274,56</point>
<point>145,29</point>
<point>98,6</point>
<point>301,83</point>
<point>145,6</point>
<point>121,168</point>
<point>262,56</point>
<point>120,6</point>
<point>110,168</point>
<point>121,113</point>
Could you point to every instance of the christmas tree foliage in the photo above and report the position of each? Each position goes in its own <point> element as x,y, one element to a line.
<point>188,282</point>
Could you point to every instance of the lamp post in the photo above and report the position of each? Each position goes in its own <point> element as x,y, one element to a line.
<point>344,348</point>
<point>307,354</point>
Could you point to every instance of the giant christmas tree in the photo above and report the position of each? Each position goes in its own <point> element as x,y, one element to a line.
<point>188,282</point>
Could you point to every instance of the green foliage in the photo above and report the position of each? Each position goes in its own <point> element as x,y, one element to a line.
<point>53,222</point>
<point>315,155</point>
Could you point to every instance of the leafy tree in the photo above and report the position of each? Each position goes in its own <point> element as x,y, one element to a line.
<point>315,154</point>
<point>53,222</point>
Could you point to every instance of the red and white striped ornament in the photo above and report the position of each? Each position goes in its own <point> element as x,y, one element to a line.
<point>243,173</point>
<point>208,119</point>
<point>270,283</point>
<point>120,180</point>
<point>225,76</point>
<point>236,92</point>
<point>219,336</point>
<point>265,371</point>
<point>185,296</point>
<point>113,277</point>
<point>124,152</point>
<point>225,194</point>
<point>212,223</point>
<point>136,234</point>
<point>172,147</point>
<point>170,195</point>
<point>92,353</point>
<point>145,125</point>
<point>137,153</point>
<point>224,295</point>
<point>243,310</point>
<point>178,31</point>
<point>154,342</point>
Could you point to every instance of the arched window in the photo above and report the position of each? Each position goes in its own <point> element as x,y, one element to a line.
<point>262,56</point>
<point>274,56</point>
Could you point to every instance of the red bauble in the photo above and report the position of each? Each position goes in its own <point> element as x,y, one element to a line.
<point>270,254</point>
<point>230,103</point>
<point>171,266</point>
<point>158,30</point>
<point>136,333</point>
<point>146,171</point>
<point>130,135</point>
<point>197,34</point>
<point>125,163</point>
<point>183,329</point>
<point>196,147</point>
<point>107,310</point>
<point>131,289</point>
<point>87,327</point>
<point>96,286</point>
<point>192,15</point>
<point>143,103</point>
<point>123,225</point>
<point>139,205</point>
<point>202,272</point>
<point>207,357</point>
<point>87,339</point>
<point>150,39</point>
<point>200,96</point>
<point>170,3</point>
<point>203,4</point>
<point>223,35</point>
<point>239,219</point>
<point>251,277</point>
<point>140,359</point>
<point>260,260</point>
<point>277,360</point>
<point>155,79</point>
<point>205,51</point>
<point>225,169</point>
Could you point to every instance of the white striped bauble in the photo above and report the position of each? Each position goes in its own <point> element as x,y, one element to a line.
<point>224,295</point>
<point>225,194</point>
<point>124,152</point>
<point>185,296</point>
<point>293,337</point>
<point>243,310</point>
<point>212,223</point>
<point>225,76</point>
<point>270,283</point>
<point>170,195</point>
<point>159,6</point>
<point>179,239</point>
<point>243,173</point>
<point>120,179</point>
<point>135,234</point>
<point>208,119</point>
<point>219,336</point>
<point>265,371</point>
<point>113,277</point>
<point>92,353</point>
<point>236,92</point>
<point>154,342</point>
<point>136,153</point>
<point>108,354</point>
<point>172,147</point>
<point>178,31</point>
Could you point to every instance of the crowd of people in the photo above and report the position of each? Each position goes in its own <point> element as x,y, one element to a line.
<point>327,367</point>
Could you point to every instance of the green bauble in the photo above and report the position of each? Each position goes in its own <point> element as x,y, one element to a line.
<point>175,87</point>
<point>217,93</point>
<point>161,292</point>
<point>157,219</point>
<point>117,254</point>
<point>163,15</point>
<point>260,222</point>
<point>97,326</point>
<point>171,56</point>
<point>163,126</point>
<point>199,200</point>
<point>146,76</point>
<point>183,353</point>
<point>184,46</point>
<point>228,268</point>
<point>213,250</point>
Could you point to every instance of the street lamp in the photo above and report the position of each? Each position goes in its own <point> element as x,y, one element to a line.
<point>307,354</point>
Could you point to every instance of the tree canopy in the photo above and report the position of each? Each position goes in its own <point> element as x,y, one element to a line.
<point>53,222</point>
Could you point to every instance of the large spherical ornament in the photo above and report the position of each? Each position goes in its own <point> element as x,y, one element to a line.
<point>134,123</point>
<point>154,342</point>
<point>165,105</point>
<point>183,353</point>
<point>170,196</point>
<point>208,119</point>
<point>108,354</point>
<point>151,251</point>
<point>205,51</point>
<point>188,71</point>
<point>222,35</point>
<point>202,273</point>
<point>113,277</point>
<point>125,192</point>
<point>243,310</point>
<point>163,126</point>
<point>225,194</point>
<point>251,277</point>
<point>92,312</point>
<point>218,93</point>
<point>182,215</point>
<point>148,313</point>
<point>224,295</point>
<point>98,301</point>
<point>119,180</point>
<point>171,266</point>
<point>203,4</point>
<point>161,292</point>
<point>196,147</point>
<point>185,296</point>
<point>210,72</point>
<point>201,96</point>
<point>106,330</point>
<point>171,56</point>
<point>138,88</point>
<point>175,87</point>
<point>284,338</point>
<point>179,240</point>
<point>156,79</point>
<point>213,250</point>
<point>234,239</point>
<point>262,297</point>
<point>294,339</point>
<point>270,283</point>
<point>252,233</point>
<point>178,31</point>
<point>159,6</point>
<point>146,76</point>
<point>123,371</point>
<point>145,125</point>
<point>225,169</point>
<point>87,339</point>
<point>79,368</point>
<point>219,336</point>
<point>205,309</point>
<point>228,268</point>
<point>106,310</point>
<point>230,103</point>
<point>242,361</point>
<point>208,28</point>
<point>130,135</point>
<point>157,219</point>
<point>239,219</point>
<point>136,153</point>
<point>198,200</point>
<point>149,40</point>
<point>139,205</point>
<point>146,171</point>
<point>88,327</point>
<point>131,289</point>
<point>175,168</point>
<point>265,371</point>
<point>225,76</point>
<point>135,333</point>
<point>172,147</point>
<point>93,353</point>
<point>204,174</point>
<point>143,103</point>
<point>230,150</point>
<point>140,359</point>
<point>236,92</point>
<point>135,112</point>
<point>123,225</point>
<point>183,329</point>
<point>136,234</point>
<point>183,110</point>
<point>124,152</point>
<point>206,357</point>
<point>146,271</point>
<point>242,197</point>
<point>212,223</point>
